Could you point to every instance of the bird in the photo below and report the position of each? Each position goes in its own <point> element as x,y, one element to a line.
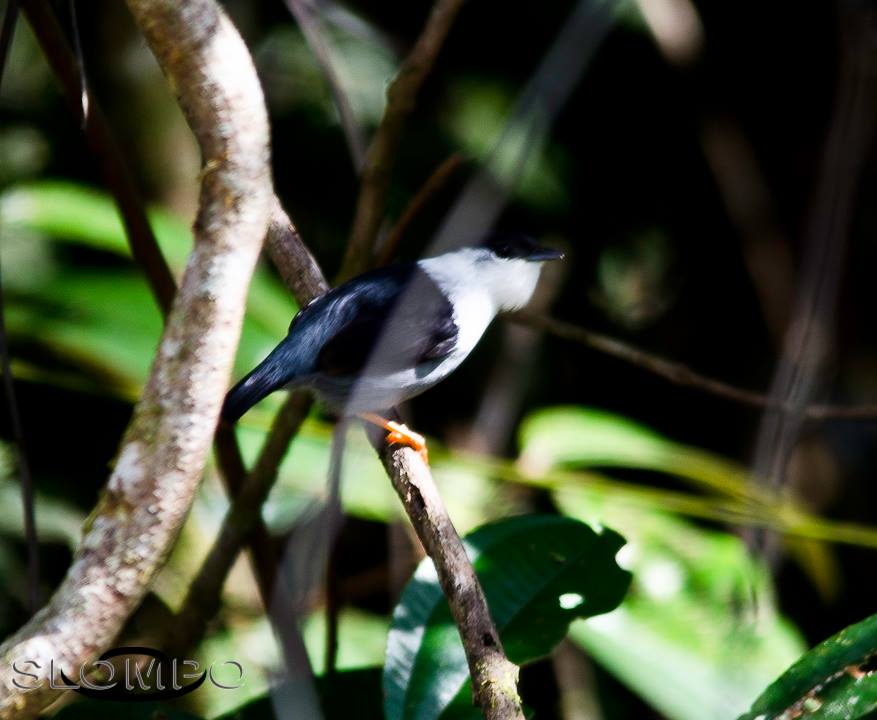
<point>392,333</point>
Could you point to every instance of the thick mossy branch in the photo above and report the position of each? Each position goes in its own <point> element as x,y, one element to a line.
<point>165,447</point>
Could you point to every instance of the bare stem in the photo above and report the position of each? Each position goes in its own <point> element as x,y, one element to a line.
<point>494,676</point>
<point>371,204</point>
<point>165,446</point>
<point>434,183</point>
<point>681,374</point>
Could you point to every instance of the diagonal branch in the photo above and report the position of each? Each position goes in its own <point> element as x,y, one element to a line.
<point>147,253</point>
<point>433,185</point>
<point>102,143</point>
<point>165,446</point>
<point>305,14</point>
<point>381,158</point>
<point>681,374</point>
<point>494,676</point>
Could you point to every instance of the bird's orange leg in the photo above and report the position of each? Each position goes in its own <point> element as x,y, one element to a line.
<point>399,434</point>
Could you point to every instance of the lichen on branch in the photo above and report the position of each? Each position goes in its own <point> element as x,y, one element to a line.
<point>165,447</point>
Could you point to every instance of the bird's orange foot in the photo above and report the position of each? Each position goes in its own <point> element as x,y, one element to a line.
<point>399,434</point>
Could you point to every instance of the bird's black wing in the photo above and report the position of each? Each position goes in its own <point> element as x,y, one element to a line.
<point>384,321</point>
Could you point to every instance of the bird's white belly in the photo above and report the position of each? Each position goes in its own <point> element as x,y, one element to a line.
<point>375,390</point>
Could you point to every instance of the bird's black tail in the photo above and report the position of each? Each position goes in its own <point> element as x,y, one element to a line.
<point>273,373</point>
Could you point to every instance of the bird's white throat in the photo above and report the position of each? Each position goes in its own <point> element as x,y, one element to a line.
<point>506,283</point>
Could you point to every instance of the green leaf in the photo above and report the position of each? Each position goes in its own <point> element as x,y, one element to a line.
<point>70,212</point>
<point>584,437</point>
<point>580,437</point>
<point>538,572</point>
<point>73,213</point>
<point>698,635</point>
<point>836,680</point>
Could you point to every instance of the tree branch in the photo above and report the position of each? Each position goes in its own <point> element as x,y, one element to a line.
<point>681,374</point>
<point>304,13</point>
<point>401,97</point>
<point>166,444</point>
<point>243,522</point>
<point>494,676</point>
<point>434,183</point>
<point>145,249</point>
<point>102,142</point>
<point>203,596</point>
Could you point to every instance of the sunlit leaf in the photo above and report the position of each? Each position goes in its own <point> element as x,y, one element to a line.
<point>836,680</point>
<point>698,634</point>
<point>585,437</point>
<point>73,213</point>
<point>56,520</point>
<point>362,639</point>
<point>538,574</point>
<point>70,212</point>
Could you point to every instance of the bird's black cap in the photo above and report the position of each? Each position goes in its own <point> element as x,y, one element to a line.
<point>519,246</point>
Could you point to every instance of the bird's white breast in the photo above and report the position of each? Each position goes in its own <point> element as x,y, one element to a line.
<point>472,302</point>
<point>478,287</point>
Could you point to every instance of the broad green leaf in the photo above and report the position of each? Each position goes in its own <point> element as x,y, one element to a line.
<point>538,572</point>
<point>69,212</point>
<point>584,437</point>
<point>698,634</point>
<point>836,680</point>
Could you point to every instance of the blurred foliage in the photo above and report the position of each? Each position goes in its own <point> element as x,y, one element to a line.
<point>107,321</point>
<point>538,574</point>
<point>836,680</point>
<point>624,183</point>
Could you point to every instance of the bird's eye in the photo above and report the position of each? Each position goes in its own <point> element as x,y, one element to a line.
<point>504,251</point>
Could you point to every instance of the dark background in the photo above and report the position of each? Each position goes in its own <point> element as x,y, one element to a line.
<point>639,189</point>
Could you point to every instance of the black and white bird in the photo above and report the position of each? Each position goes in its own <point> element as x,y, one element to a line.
<point>390,334</point>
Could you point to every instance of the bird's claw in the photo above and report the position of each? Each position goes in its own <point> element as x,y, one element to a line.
<point>400,434</point>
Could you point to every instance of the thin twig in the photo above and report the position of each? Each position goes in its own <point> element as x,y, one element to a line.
<point>165,447</point>
<point>23,467</point>
<point>312,29</point>
<point>335,518</point>
<point>494,676</point>
<point>244,522</point>
<point>80,64</point>
<point>147,253</point>
<point>204,593</point>
<point>10,19</point>
<point>434,183</point>
<point>371,203</point>
<point>102,142</point>
<point>681,374</point>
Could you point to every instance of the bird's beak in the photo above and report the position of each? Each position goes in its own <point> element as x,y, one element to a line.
<point>543,254</point>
